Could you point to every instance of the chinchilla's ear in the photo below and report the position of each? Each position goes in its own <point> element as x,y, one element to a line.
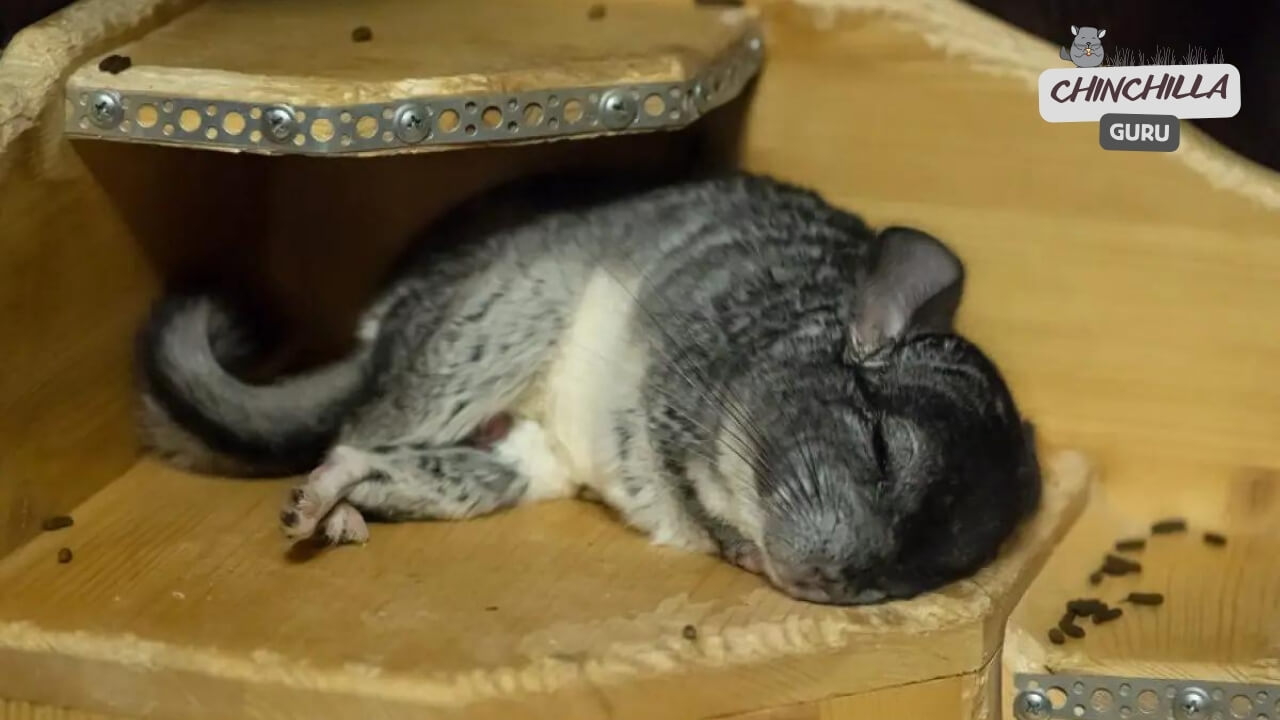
<point>1075,30</point>
<point>1102,34</point>
<point>916,285</point>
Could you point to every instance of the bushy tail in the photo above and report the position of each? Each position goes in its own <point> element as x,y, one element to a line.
<point>198,415</point>
<point>1062,53</point>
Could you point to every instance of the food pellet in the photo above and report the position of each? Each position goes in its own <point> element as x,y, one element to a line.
<point>1215,539</point>
<point>1056,637</point>
<point>689,632</point>
<point>1095,578</point>
<point>596,12</point>
<point>1145,598</point>
<point>1116,565</point>
<point>57,522</point>
<point>361,34</point>
<point>1130,545</point>
<point>1085,606</point>
<point>1107,615</point>
<point>115,64</point>
<point>64,556</point>
<point>1169,525</point>
<point>1069,628</point>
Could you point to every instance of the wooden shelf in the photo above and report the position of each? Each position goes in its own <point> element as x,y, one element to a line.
<point>182,601</point>
<point>1220,620</point>
<point>471,70</point>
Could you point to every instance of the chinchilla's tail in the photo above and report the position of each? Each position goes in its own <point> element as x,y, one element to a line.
<point>198,415</point>
<point>1062,53</point>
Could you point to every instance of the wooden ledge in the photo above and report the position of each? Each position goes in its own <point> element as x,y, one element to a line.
<point>1220,618</point>
<point>473,71</point>
<point>181,601</point>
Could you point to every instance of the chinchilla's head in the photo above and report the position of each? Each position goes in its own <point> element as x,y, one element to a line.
<point>1087,37</point>
<point>901,464</point>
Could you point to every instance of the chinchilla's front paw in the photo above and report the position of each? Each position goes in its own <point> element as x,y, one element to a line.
<point>745,555</point>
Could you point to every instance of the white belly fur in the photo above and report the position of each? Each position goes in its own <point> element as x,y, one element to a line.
<point>596,372</point>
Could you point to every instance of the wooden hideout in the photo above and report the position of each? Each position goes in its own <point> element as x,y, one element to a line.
<point>1133,315</point>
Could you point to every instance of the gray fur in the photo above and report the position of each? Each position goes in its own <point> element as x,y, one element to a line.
<point>803,404</point>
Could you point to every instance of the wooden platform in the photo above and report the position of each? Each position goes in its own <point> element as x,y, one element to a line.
<point>1220,620</point>
<point>481,71</point>
<point>182,600</point>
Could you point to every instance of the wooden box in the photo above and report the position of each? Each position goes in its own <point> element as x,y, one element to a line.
<point>1132,315</point>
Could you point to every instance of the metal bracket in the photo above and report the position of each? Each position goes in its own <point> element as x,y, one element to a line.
<point>1096,697</point>
<point>283,127</point>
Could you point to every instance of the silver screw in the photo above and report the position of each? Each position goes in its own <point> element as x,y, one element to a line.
<point>411,124</point>
<point>105,109</point>
<point>279,123</point>
<point>1191,704</point>
<point>1032,705</point>
<point>701,96</point>
<point>618,109</point>
<point>755,44</point>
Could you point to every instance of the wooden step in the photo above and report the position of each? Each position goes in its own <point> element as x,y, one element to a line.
<point>181,600</point>
<point>1217,627</point>
<point>393,76</point>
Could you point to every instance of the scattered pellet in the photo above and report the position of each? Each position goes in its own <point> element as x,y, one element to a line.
<point>721,3</point>
<point>1169,525</point>
<point>1116,565</point>
<point>1105,616</point>
<point>1138,598</point>
<point>64,556</point>
<point>1056,637</point>
<point>1215,539</point>
<point>1130,545</point>
<point>1085,606</point>
<point>115,64</point>
<point>689,632</point>
<point>57,522</point>
<point>596,12</point>
<point>1095,577</point>
<point>1069,628</point>
<point>491,608</point>
<point>361,34</point>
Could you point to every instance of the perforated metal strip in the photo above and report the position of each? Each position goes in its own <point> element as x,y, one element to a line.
<point>107,113</point>
<point>1095,697</point>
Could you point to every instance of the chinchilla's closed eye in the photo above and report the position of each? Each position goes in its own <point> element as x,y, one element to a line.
<point>894,446</point>
<point>879,447</point>
<point>900,442</point>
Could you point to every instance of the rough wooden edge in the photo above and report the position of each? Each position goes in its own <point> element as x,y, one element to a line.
<point>17,710</point>
<point>38,59</point>
<point>999,48</point>
<point>754,645</point>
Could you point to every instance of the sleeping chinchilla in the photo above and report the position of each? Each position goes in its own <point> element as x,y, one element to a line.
<point>732,364</point>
